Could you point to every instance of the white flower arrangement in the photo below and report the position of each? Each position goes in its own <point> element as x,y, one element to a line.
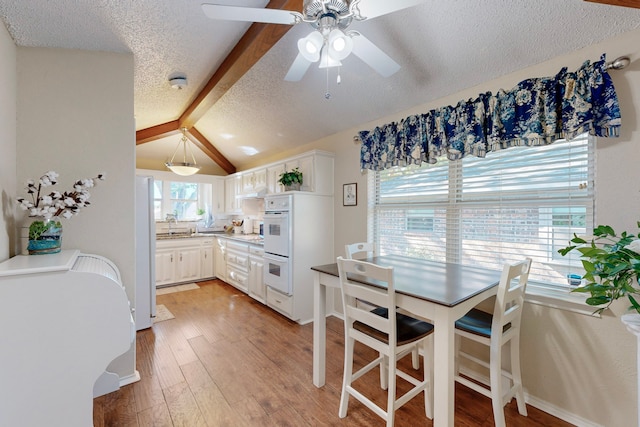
<point>55,203</point>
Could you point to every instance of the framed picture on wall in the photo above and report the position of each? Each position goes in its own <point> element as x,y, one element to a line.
<point>350,194</point>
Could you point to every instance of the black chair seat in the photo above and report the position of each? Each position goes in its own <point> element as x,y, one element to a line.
<point>477,322</point>
<point>408,328</point>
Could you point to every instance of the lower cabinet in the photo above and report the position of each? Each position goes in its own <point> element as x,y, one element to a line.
<point>257,288</point>
<point>220,258</point>
<point>184,260</point>
<point>238,265</point>
<point>207,259</point>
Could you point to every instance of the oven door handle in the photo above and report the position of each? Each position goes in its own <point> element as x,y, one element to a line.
<point>274,257</point>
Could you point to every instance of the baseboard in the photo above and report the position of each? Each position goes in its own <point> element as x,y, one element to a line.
<point>537,403</point>
<point>130,379</point>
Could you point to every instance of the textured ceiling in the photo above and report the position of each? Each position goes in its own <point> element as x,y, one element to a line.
<point>442,46</point>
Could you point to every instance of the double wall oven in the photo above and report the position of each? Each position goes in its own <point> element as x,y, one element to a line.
<point>278,244</point>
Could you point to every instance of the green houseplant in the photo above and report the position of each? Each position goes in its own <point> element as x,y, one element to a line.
<point>291,180</point>
<point>611,265</point>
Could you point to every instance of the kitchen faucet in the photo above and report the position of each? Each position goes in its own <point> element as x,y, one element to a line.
<point>171,218</point>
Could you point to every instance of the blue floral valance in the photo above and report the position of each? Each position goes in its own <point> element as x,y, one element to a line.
<point>537,111</point>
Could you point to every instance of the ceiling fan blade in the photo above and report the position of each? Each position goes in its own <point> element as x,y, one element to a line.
<point>372,8</point>
<point>373,56</point>
<point>250,14</point>
<point>298,69</point>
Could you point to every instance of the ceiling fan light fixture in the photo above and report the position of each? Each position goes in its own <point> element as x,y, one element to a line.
<point>183,168</point>
<point>340,44</point>
<point>310,46</point>
<point>328,61</point>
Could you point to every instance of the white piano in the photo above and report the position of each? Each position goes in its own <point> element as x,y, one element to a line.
<point>63,318</point>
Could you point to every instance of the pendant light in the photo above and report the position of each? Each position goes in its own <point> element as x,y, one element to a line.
<point>183,168</point>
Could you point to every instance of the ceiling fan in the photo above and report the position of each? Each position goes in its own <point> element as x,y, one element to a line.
<point>330,42</point>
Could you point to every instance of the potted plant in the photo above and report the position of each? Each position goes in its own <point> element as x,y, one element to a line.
<point>611,265</point>
<point>291,180</point>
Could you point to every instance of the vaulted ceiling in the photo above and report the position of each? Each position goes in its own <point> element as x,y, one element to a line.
<point>238,108</point>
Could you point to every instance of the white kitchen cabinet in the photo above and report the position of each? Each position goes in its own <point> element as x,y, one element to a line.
<point>218,197</point>
<point>220,259</point>
<point>207,259</point>
<point>257,288</point>
<point>233,188</point>
<point>273,175</point>
<point>188,264</point>
<point>184,260</point>
<point>238,265</point>
<point>316,168</point>
<point>165,267</point>
<point>254,181</point>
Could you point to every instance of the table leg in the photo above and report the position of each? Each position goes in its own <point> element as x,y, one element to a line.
<point>443,359</point>
<point>319,331</point>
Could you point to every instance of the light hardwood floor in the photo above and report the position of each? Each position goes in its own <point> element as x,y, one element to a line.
<point>227,360</point>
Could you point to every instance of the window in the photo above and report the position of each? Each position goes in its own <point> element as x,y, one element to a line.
<point>518,202</point>
<point>157,200</point>
<point>182,199</point>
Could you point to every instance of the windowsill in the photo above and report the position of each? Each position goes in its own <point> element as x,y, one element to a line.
<point>563,299</point>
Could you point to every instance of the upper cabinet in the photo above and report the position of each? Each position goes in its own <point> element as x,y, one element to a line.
<point>316,168</point>
<point>317,176</point>
<point>254,181</point>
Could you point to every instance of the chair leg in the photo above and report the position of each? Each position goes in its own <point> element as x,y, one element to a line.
<point>514,349</point>
<point>384,369</point>
<point>391,391</point>
<point>428,374</point>
<point>495,372</point>
<point>346,377</point>
<point>415,357</point>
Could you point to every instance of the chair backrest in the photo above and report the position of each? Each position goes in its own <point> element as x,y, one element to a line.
<point>380,292</point>
<point>359,250</point>
<point>510,298</point>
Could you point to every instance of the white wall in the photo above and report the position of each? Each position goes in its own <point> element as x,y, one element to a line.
<point>75,116</point>
<point>7,144</point>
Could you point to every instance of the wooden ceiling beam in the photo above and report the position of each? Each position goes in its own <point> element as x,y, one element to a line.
<point>157,132</point>
<point>623,3</point>
<point>202,143</point>
<point>255,43</point>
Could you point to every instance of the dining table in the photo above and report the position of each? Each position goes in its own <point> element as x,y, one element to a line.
<point>439,292</point>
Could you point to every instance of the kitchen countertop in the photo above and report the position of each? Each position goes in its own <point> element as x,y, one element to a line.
<point>248,238</point>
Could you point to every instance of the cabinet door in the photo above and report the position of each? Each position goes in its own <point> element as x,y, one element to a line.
<point>260,179</point>
<point>305,164</point>
<point>257,288</point>
<point>273,175</point>
<point>207,260</point>
<point>165,266</point>
<point>233,187</point>
<point>188,264</point>
<point>218,201</point>
<point>220,262</point>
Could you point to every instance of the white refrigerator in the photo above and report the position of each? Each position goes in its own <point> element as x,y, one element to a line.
<point>145,304</point>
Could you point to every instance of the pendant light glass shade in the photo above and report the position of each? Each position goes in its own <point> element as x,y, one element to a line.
<point>183,168</point>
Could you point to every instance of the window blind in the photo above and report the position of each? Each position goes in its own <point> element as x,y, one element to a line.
<point>515,203</point>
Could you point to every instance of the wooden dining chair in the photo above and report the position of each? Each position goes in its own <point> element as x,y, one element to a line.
<point>365,250</point>
<point>391,334</point>
<point>359,250</point>
<point>496,330</point>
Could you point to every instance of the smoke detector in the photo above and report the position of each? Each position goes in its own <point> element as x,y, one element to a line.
<point>178,82</point>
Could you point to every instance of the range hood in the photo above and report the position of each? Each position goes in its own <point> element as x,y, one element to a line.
<point>258,194</point>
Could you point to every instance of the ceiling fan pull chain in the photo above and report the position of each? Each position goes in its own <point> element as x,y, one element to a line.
<point>327,95</point>
<point>339,79</point>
